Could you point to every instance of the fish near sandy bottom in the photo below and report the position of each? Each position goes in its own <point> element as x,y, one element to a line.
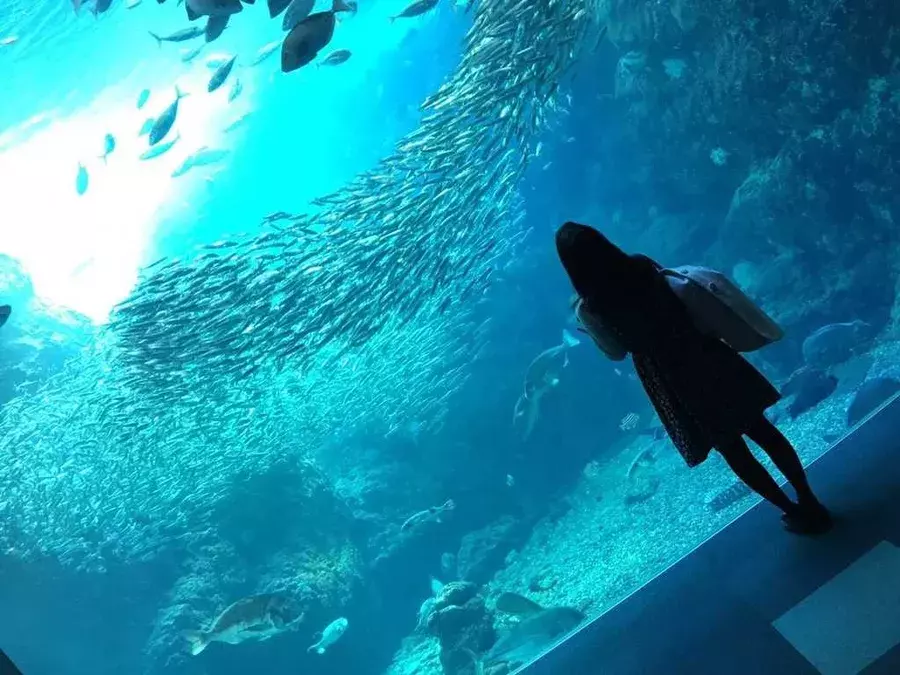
<point>257,617</point>
<point>538,628</point>
<point>309,37</point>
<point>541,376</point>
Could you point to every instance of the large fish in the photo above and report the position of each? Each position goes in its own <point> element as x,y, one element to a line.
<point>538,629</point>
<point>309,37</point>
<point>834,343</point>
<point>258,617</point>
<point>542,375</point>
<point>164,122</point>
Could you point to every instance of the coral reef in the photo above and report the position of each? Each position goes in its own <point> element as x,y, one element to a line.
<point>284,530</point>
<point>463,626</point>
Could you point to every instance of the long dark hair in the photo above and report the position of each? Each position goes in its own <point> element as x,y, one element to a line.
<point>620,289</point>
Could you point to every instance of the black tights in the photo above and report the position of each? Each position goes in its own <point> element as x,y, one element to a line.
<point>754,475</point>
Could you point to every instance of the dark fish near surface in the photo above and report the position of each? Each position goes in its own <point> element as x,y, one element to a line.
<point>537,630</point>
<point>276,7</point>
<point>833,344</point>
<point>309,37</point>
<point>337,57</point>
<point>418,8</point>
<point>197,8</point>
<point>869,396</point>
<point>256,617</point>
<point>221,74</point>
<point>296,12</point>
<point>5,311</point>
<point>215,26</point>
<point>164,122</point>
<point>179,36</point>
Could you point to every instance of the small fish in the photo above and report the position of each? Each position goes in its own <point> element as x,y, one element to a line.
<point>510,480</point>
<point>429,515</point>
<point>337,57</point>
<point>131,4</point>
<point>179,36</point>
<point>239,122</point>
<point>217,60</point>
<point>147,126</point>
<point>5,311</point>
<point>417,8</point>
<point>160,149</point>
<point>330,635</point>
<point>219,77</point>
<point>164,122</point>
<point>7,41</point>
<point>265,52</point>
<point>188,55</point>
<point>236,89</point>
<point>629,422</point>
<point>296,12</point>
<point>143,97</point>
<point>215,26</point>
<point>309,37</point>
<point>203,157</point>
<point>257,617</point>
<point>81,180</point>
<point>109,145</point>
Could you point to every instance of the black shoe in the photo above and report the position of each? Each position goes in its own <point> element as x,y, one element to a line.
<point>812,519</point>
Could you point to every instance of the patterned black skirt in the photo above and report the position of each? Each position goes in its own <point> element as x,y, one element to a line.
<point>705,393</point>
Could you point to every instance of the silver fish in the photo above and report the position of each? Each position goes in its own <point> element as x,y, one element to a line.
<point>164,122</point>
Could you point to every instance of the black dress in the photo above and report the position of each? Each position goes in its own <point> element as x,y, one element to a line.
<point>705,393</point>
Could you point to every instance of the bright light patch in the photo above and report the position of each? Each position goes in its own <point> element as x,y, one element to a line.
<point>83,251</point>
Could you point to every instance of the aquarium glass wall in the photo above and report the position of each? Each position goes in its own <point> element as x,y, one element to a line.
<point>291,378</point>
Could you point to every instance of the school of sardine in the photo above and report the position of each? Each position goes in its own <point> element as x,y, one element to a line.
<point>366,313</point>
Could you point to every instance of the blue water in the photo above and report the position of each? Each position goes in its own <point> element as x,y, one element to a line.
<point>178,436</point>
